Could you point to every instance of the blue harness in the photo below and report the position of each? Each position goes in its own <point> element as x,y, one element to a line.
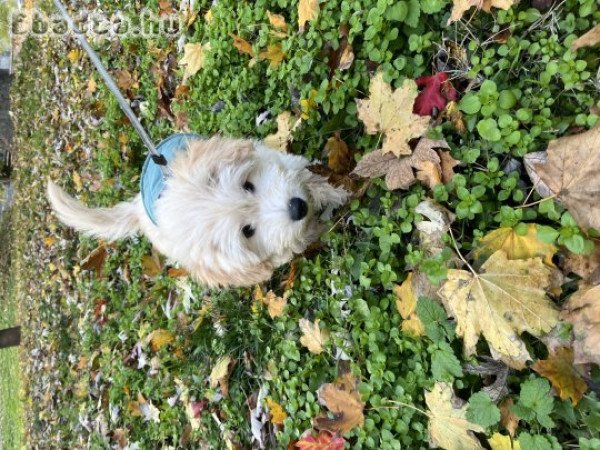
<point>152,182</point>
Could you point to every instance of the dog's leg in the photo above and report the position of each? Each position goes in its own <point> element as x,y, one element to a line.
<point>122,220</point>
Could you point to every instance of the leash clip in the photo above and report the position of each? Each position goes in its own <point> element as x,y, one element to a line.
<point>159,160</point>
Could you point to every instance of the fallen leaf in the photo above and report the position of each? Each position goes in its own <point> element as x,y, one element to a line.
<point>343,400</point>
<point>339,155</point>
<point>74,55</point>
<point>274,304</point>
<point>589,39</point>
<point>77,181</point>
<point>504,300</point>
<point>145,409</point>
<point>92,86</point>
<point>193,411</point>
<point>274,54</point>
<point>448,425</point>
<point>500,442</point>
<point>323,441</point>
<point>242,45</point>
<point>277,21</point>
<point>159,338</point>
<point>515,246</point>
<point>429,173</point>
<point>399,171</point>
<point>488,370</point>
<point>455,116</point>
<point>346,57</point>
<point>436,91</point>
<point>125,80</point>
<point>586,266</point>
<point>313,338</point>
<point>390,112</point>
<point>193,59</point>
<point>462,6</point>
<point>95,260</point>
<point>308,10</point>
<point>508,419</point>
<point>448,163</point>
<point>177,272</point>
<point>569,170</point>
<point>308,104</point>
<point>152,265</point>
<point>583,311</point>
<point>561,372</point>
<point>278,415</point>
<point>279,140</point>
<point>406,304</point>
<point>219,376</point>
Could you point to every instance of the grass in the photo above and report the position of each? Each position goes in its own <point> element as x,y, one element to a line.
<point>11,407</point>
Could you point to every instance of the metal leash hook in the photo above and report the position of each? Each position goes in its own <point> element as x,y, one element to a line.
<point>158,159</point>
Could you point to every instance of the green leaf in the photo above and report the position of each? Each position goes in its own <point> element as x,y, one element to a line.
<point>535,402</point>
<point>435,320</point>
<point>470,104</point>
<point>488,129</point>
<point>537,442</point>
<point>482,410</point>
<point>432,6</point>
<point>414,12</point>
<point>397,12</point>
<point>445,366</point>
<point>546,234</point>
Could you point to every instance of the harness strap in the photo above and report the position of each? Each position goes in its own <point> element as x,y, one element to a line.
<point>156,156</point>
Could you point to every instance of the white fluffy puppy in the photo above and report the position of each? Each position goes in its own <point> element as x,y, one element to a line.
<point>231,211</point>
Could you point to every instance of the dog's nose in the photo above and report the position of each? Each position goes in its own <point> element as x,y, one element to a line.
<point>298,208</point>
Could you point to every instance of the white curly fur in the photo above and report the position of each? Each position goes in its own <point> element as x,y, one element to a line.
<point>204,206</point>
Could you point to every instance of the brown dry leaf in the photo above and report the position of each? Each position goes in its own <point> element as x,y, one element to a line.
<point>126,81</point>
<point>583,311</point>
<point>278,415</point>
<point>569,170</point>
<point>193,59</point>
<point>242,45</point>
<point>508,419</point>
<point>406,303</point>
<point>145,409</point>
<point>589,39</point>
<point>391,113</point>
<point>399,172</point>
<point>177,272</point>
<point>514,245</point>
<point>285,126</point>
<point>307,10</point>
<point>505,299</point>
<point>346,57</point>
<point>277,21</point>
<point>275,305</point>
<point>313,338</point>
<point>586,266</point>
<point>462,6</point>
<point>343,400</point>
<point>561,372</point>
<point>339,155</point>
<point>95,260</point>
<point>501,442</point>
<point>219,376</point>
<point>448,164</point>
<point>92,86</point>
<point>274,54</point>
<point>430,173</point>
<point>151,265</point>
<point>448,425</point>
<point>159,338</point>
<point>455,116</point>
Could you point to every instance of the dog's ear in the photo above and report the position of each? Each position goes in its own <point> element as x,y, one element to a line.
<point>325,194</point>
<point>209,155</point>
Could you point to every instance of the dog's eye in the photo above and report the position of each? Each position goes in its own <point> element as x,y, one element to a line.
<point>248,186</point>
<point>248,231</point>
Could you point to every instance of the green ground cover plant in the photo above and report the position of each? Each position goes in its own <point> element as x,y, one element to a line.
<point>129,351</point>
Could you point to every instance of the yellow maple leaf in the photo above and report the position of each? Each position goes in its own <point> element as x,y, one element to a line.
<point>159,338</point>
<point>277,21</point>
<point>307,10</point>
<point>242,45</point>
<point>501,442</point>
<point>448,426</point>
<point>219,376</point>
<point>506,299</point>
<point>278,415</point>
<point>559,368</point>
<point>274,54</point>
<point>462,6</point>
<point>406,303</point>
<point>274,304</point>
<point>313,338</point>
<point>285,127</point>
<point>515,246</point>
<point>390,112</point>
<point>193,58</point>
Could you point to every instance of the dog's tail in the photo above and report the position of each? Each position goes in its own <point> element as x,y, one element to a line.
<point>113,223</point>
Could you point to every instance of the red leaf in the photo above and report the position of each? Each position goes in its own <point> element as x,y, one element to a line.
<point>324,441</point>
<point>198,407</point>
<point>437,92</point>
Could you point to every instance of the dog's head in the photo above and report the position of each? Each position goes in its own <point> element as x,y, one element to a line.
<point>234,210</point>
